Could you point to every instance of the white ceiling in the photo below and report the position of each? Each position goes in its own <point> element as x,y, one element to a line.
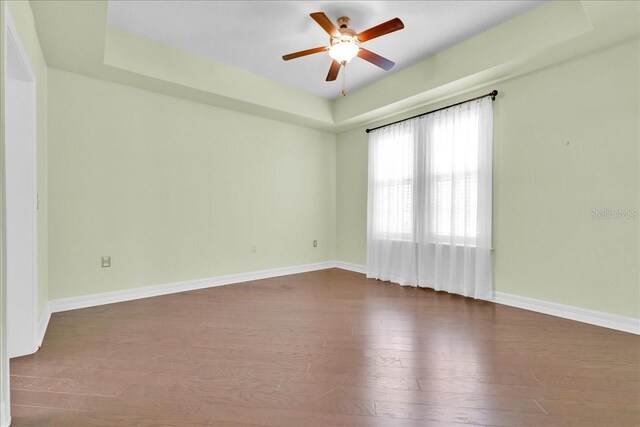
<point>254,35</point>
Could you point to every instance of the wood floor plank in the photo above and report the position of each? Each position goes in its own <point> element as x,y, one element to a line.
<point>63,385</point>
<point>493,417</point>
<point>296,418</point>
<point>442,398</point>
<point>62,401</point>
<point>327,348</point>
<point>35,416</point>
<point>592,410</point>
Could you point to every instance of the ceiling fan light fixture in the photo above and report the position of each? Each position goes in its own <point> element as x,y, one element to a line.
<point>344,51</point>
<point>345,45</point>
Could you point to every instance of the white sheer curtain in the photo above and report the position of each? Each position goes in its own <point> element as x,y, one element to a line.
<point>429,201</point>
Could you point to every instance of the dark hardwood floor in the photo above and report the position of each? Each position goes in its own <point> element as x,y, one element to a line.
<point>328,348</point>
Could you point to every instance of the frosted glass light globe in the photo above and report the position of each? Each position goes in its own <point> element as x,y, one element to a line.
<point>344,51</point>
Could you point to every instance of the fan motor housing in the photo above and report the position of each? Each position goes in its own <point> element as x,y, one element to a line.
<point>343,22</point>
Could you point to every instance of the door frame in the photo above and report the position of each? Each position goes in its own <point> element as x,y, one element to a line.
<point>12,38</point>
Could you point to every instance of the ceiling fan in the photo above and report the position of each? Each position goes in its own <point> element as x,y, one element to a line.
<point>345,44</point>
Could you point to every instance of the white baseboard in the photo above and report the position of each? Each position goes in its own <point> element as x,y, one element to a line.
<point>351,267</point>
<point>5,415</point>
<point>41,329</point>
<point>85,301</point>
<point>43,323</point>
<point>598,318</point>
<point>592,317</point>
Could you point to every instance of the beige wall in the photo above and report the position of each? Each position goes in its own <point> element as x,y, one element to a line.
<point>566,142</point>
<point>175,190</point>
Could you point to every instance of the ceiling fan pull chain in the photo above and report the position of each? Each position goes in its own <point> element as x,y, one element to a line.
<point>344,78</point>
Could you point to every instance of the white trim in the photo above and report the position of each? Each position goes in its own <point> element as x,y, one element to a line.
<point>42,326</point>
<point>5,398</point>
<point>13,38</point>
<point>5,421</point>
<point>607,320</point>
<point>351,267</point>
<point>84,301</point>
<point>592,317</point>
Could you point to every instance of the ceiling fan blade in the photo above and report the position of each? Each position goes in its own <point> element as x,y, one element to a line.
<point>390,26</point>
<point>325,23</point>
<point>333,71</point>
<point>304,53</point>
<point>375,59</point>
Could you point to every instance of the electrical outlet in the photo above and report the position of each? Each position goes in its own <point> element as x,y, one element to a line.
<point>106,261</point>
<point>254,248</point>
<point>315,243</point>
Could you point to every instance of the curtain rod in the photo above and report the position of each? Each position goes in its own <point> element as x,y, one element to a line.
<point>492,94</point>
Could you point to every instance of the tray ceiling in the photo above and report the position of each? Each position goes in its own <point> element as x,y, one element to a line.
<point>254,35</point>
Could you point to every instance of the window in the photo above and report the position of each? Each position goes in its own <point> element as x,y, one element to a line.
<point>454,178</point>
<point>394,183</point>
<point>429,206</point>
<point>424,178</point>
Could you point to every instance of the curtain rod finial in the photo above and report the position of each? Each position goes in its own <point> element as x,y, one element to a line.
<point>493,94</point>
